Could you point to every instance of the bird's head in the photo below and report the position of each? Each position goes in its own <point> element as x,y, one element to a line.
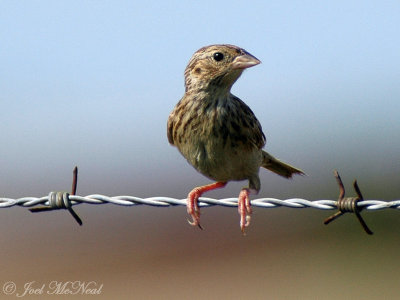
<point>217,66</point>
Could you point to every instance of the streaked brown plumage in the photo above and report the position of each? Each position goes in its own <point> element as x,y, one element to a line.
<point>218,133</point>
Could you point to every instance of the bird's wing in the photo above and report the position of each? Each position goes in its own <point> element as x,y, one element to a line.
<point>247,123</point>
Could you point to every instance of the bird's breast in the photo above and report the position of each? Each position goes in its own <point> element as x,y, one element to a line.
<point>213,143</point>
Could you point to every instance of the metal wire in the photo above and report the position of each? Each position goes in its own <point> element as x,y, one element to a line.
<point>65,200</point>
<point>203,202</point>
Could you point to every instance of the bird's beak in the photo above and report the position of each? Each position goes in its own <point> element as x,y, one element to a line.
<point>244,61</point>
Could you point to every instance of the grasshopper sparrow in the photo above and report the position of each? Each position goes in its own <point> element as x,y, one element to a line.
<point>217,132</point>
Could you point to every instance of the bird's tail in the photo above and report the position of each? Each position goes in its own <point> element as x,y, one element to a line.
<point>275,165</point>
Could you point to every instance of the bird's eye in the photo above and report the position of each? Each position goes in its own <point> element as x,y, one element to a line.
<point>218,56</point>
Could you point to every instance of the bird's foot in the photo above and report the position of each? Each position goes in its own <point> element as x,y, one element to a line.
<point>193,208</point>
<point>244,208</point>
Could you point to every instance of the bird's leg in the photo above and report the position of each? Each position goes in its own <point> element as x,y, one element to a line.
<point>244,208</point>
<point>192,201</point>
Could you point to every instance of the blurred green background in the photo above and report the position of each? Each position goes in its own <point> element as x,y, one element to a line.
<point>91,83</point>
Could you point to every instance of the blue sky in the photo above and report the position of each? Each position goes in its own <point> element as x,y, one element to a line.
<point>92,83</point>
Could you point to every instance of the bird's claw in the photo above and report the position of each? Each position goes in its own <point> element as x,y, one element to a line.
<point>194,211</point>
<point>245,217</point>
<point>244,208</point>
<point>193,208</point>
<point>195,222</point>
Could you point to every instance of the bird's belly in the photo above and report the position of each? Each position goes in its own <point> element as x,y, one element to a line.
<point>222,162</point>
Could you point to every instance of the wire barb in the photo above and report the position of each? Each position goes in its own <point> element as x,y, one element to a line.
<point>349,204</point>
<point>61,200</point>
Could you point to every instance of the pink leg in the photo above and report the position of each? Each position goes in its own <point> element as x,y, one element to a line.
<point>192,201</point>
<point>244,208</point>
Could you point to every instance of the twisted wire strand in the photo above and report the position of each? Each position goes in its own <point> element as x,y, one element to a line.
<point>203,202</point>
<point>65,200</point>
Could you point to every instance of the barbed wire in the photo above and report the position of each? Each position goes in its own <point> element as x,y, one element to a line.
<point>65,200</point>
<point>203,202</point>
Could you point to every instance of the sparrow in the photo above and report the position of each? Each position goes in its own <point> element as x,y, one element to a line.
<point>218,133</point>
